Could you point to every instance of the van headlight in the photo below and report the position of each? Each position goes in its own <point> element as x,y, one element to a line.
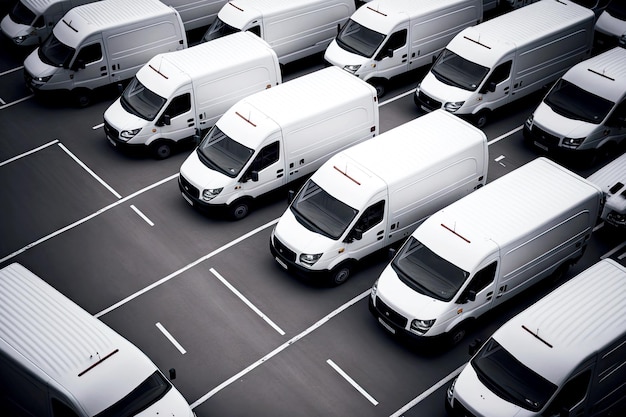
<point>529,121</point>
<point>19,39</point>
<point>310,259</point>
<point>450,391</point>
<point>572,143</point>
<point>210,194</point>
<point>374,290</point>
<point>352,68</point>
<point>421,326</point>
<point>42,79</point>
<point>453,106</point>
<point>129,134</point>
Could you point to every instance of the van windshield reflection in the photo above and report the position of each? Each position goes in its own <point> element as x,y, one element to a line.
<point>54,52</point>
<point>359,39</point>
<point>140,101</point>
<point>218,29</point>
<point>573,102</point>
<point>147,393</point>
<point>219,152</point>
<point>455,70</point>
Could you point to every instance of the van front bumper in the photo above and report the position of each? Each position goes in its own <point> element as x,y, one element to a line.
<point>538,138</point>
<point>286,258</point>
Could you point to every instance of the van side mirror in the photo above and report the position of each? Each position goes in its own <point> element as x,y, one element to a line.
<point>290,196</point>
<point>172,374</point>
<point>338,28</point>
<point>78,65</point>
<point>564,412</point>
<point>490,87</point>
<point>165,120</point>
<point>471,295</point>
<point>391,253</point>
<point>474,346</point>
<point>254,176</point>
<point>357,233</point>
<point>197,136</point>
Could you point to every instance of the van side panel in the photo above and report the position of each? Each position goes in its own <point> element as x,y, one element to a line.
<point>608,389</point>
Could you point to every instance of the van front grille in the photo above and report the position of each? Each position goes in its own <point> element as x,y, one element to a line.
<point>190,189</point>
<point>284,251</point>
<point>544,137</point>
<point>388,313</point>
<point>428,102</point>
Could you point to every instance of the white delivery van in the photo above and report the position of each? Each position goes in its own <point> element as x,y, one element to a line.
<point>611,178</point>
<point>277,136</point>
<point>505,58</point>
<point>59,360</point>
<point>377,192</point>
<point>177,94</point>
<point>611,24</point>
<point>485,248</point>
<point>584,113</point>
<point>31,21</point>
<point>386,38</point>
<point>562,356</point>
<point>102,43</point>
<point>196,14</point>
<point>294,28</point>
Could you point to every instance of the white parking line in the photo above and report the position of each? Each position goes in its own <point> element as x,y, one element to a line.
<point>143,216</point>
<point>351,381</point>
<point>96,127</point>
<point>279,349</point>
<point>429,391</point>
<point>16,102</point>
<point>32,151</point>
<point>86,168</point>
<point>246,301</point>
<point>11,70</point>
<point>171,338</point>
<point>614,250</point>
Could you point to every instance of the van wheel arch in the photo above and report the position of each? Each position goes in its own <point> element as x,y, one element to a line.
<point>161,148</point>
<point>81,97</point>
<point>240,208</point>
<point>341,273</point>
<point>458,332</point>
<point>380,84</point>
<point>481,118</point>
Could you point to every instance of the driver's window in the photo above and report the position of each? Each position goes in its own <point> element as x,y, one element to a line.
<point>618,117</point>
<point>371,216</point>
<point>256,30</point>
<point>266,157</point>
<point>397,40</point>
<point>501,73</point>
<point>179,105</point>
<point>481,280</point>
<point>572,393</point>
<point>90,53</point>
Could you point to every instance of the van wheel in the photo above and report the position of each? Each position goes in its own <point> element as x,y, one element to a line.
<point>605,153</point>
<point>457,334</point>
<point>340,274</point>
<point>82,97</point>
<point>161,149</point>
<point>558,274</point>
<point>481,118</point>
<point>380,86</point>
<point>239,209</point>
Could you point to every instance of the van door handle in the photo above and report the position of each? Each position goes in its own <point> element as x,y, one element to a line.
<point>380,234</point>
<point>489,295</point>
<point>501,291</point>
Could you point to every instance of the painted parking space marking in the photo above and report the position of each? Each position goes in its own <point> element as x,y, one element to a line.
<point>170,338</point>
<point>140,214</point>
<point>352,382</point>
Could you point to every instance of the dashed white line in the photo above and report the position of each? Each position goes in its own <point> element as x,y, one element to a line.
<point>351,381</point>
<point>96,127</point>
<point>500,158</point>
<point>86,168</point>
<point>247,302</point>
<point>143,216</point>
<point>171,338</point>
<point>15,158</point>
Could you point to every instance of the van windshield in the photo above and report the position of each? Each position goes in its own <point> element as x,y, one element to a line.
<point>54,52</point>
<point>22,14</point>
<point>221,153</point>
<point>573,102</point>
<point>455,70</point>
<point>510,379</point>
<point>147,393</point>
<point>359,39</point>
<point>426,272</point>
<point>320,212</point>
<point>218,29</point>
<point>140,101</point>
<point>617,9</point>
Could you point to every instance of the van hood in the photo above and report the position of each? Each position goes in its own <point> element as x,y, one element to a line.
<point>172,404</point>
<point>120,119</point>
<point>339,57</point>
<point>298,238</point>
<point>560,125</point>
<point>12,29</point>
<point>443,92</point>
<point>36,67</point>
<point>406,300</point>
<point>480,400</point>
<point>610,25</point>
<point>200,175</point>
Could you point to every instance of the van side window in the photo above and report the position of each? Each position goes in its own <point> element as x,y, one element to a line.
<point>179,105</point>
<point>501,73</point>
<point>371,216</point>
<point>256,30</point>
<point>266,157</point>
<point>397,40</point>
<point>481,280</point>
<point>572,393</point>
<point>618,117</point>
<point>90,53</point>
<point>59,409</point>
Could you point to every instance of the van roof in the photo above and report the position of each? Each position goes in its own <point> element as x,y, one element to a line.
<point>570,324</point>
<point>384,15</point>
<point>503,211</point>
<point>39,5</point>
<point>94,17</point>
<point>223,55</point>
<point>268,7</point>
<point>603,75</point>
<point>517,28</point>
<point>413,149</point>
<point>59,341</point>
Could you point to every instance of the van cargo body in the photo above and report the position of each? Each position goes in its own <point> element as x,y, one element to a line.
<point>386,38</point>
<point>506,58</point>
<point>485,248</point>
<point>59,360</point>
<point>377,192</point>
<point>294,28</point>
<point>276,136</point>
<point>196,13</point>
<point>562,356</point>
<point>31,21</point>
<point>585,111</point>
<point>102,43</point>
<point>612,180</point>
<point>179,93</point>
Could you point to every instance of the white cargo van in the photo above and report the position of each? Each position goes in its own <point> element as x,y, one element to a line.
<point>58,360</point>
<point>102,43</point>
<point>612,180</point>
<point>485,248</point>
<point>177,94</point>
<point>277,136</point>
<point>386,38</point>
<point>611,24</point>
<point>506,58</point>
<point>196,13</point>
<point>294,28</point>
<point>31,21</point>
<point>585,111</point>
<point>562,356</point>
<point>376,193</point>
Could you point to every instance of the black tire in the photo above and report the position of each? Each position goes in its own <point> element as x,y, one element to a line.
<point>161,149</point>
<point>481,118</point>
<point>457,334</point>
<point>340,274</point>
<point>81,97</point>
<point>239,209</point>
<point>558,274</point>
<point>380,85</point>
